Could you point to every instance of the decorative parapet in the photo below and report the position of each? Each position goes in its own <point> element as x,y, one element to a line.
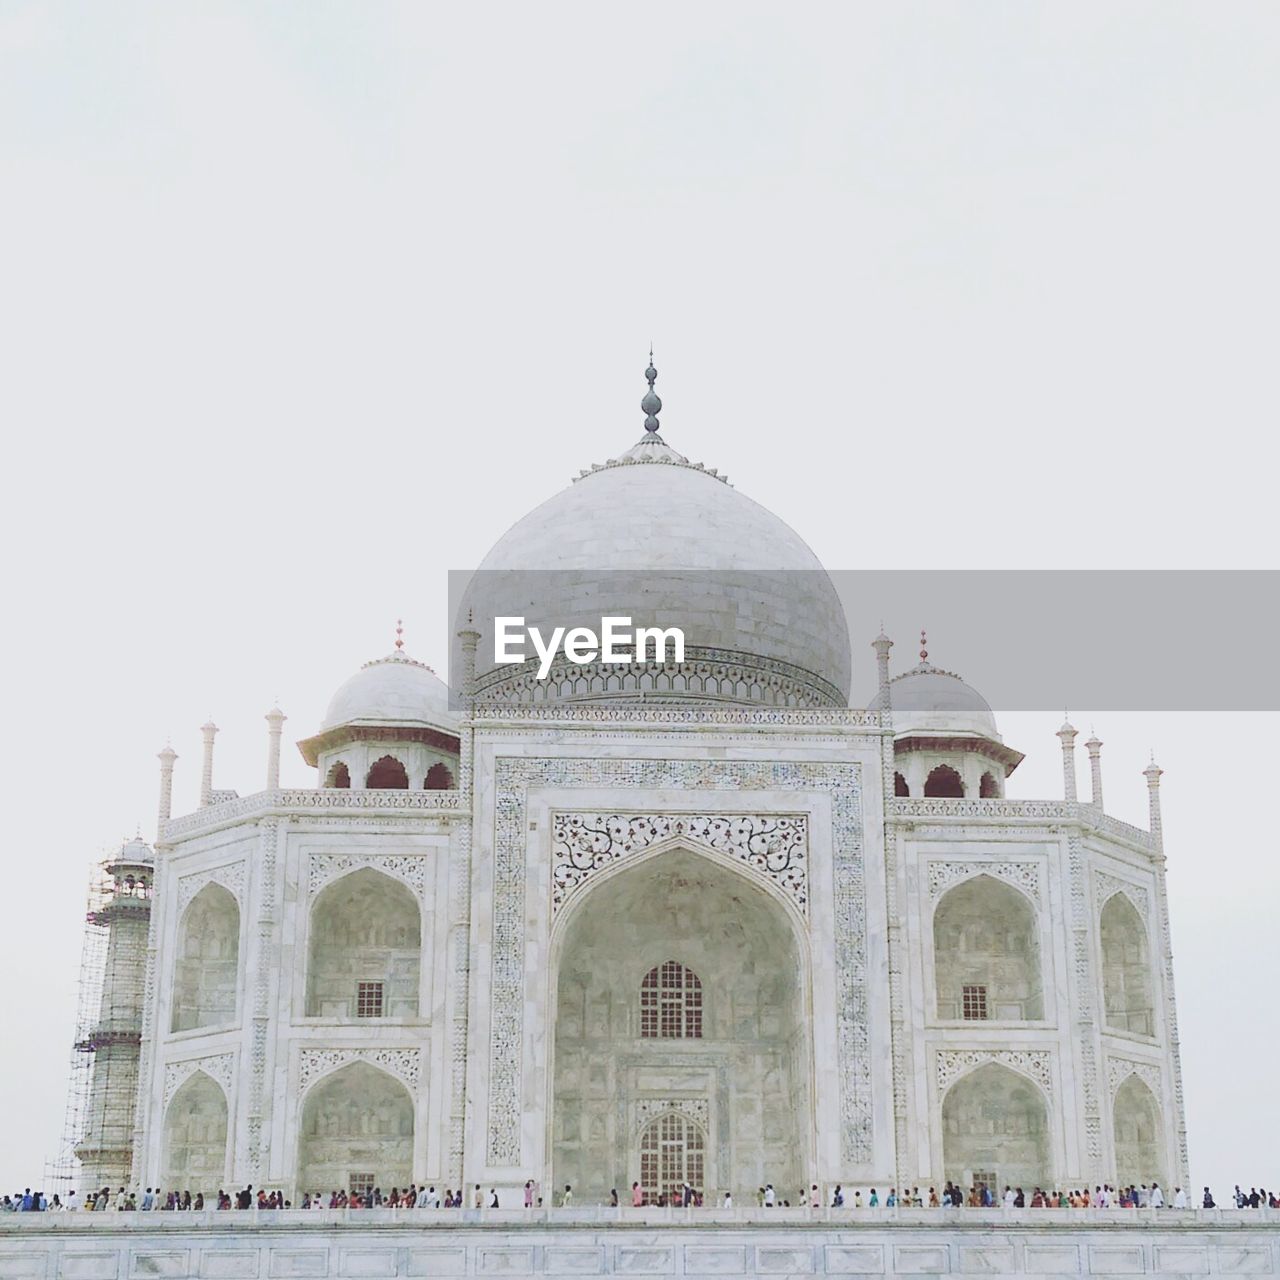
<point>1067,812</point>
<point>284,803</point>
<point>816,719</point>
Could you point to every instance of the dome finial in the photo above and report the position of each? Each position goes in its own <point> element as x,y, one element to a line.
<point>924,652</point>
<point>400,635</point>
<point>651,405</point>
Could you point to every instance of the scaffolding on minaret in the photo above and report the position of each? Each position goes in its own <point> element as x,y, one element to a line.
<point>96,1147</point>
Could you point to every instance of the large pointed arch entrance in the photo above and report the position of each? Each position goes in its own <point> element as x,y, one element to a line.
<point>681,1033</point>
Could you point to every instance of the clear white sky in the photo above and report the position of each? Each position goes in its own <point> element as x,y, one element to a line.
<point>302,305</point>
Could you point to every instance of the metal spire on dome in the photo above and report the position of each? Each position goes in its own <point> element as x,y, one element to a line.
<point>399,635</point>
<point>651,405</point>
<point>924,641</point>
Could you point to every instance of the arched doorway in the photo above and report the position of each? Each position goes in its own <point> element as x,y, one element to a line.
<point>195,1138</point>
<point>995,1128</point>
<point>680,1026</point>
<point>673,1151</point>
<point>356,1133</point>
<point>1139,1146</point>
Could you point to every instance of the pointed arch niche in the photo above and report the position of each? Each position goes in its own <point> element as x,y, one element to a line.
<point>736,1048</point>
<point>356,1131</point>
<point>1126,968</point>
<point>986,951</point>
<point>205,976</point>
<point>995,1126</point>
<point>195,1137</point>
<point>364,949</point>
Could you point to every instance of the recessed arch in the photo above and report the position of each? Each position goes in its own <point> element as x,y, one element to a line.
<point>194,1146</point>
<point>364,948</point>
<point>387,774</point>
<point>339,775</point>
<point>1138,1134</point>
<point>995,1121</point>
<point>900,787</point>
<point>208,964</point>
<point>988,786</point>
<point>439,778</point>
<point>944,782</point>
<point>986,951</point>
<point>746,944</point>
<point>1126,968</point>
<point>356,1129</point>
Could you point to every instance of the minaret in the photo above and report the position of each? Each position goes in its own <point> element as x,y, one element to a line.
<point>882,644</point>
<point>1067,736</point>
<point>1152,774</point>
<point>209,730</point>
<point>1094,748</point>
<point>166,758</point>
<point>275,726</point>
<point>120,913</point>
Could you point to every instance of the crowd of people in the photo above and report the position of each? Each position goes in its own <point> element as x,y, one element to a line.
<point>978,1196</point>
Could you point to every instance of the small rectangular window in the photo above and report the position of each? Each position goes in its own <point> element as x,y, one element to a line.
<point>368,999</point>
<point>986,1178</point>
<point>973,1002</point>
<point>360,1184</point>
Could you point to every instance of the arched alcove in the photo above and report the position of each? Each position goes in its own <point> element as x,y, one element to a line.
<point>995,1128</point>
<point>1126,968</point>
<point>988,787</point>
<point>356,1132</point>
<point>338,776</point>
<point>987,953</point>
<point>943,781</point>
<point>204,980</point>
<point>195,1137</point>
<point>438,778</point>
<point>683,942</point>
<point>900,787</point>
<point>387,774</point>
<point>365,949</point>
<point>1139,1145</point>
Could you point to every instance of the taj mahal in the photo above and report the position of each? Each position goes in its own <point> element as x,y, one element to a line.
<point>698,921</point>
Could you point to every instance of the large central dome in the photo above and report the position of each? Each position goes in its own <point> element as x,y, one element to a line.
<point>669,543</point>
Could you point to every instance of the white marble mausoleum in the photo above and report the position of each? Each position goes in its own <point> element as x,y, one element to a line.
<point>701,921</point>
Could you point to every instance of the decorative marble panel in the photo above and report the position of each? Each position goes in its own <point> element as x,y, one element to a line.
<point>1120,1069</point>
<point>414,869</point>
<point>218,1066</point>
<point>1109,886</point>
<point>513,778</point>
<point>1022,875</point>
<point>314,1063</point>
<point>775,844</point>
<point>230,877</point>
<point>953,1063</point>
<point>697,1109</point>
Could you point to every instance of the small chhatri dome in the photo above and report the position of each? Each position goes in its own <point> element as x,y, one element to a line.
<point>928,700</point>
<point>395,690</point>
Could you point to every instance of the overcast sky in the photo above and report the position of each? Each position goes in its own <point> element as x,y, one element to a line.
<point>302,305</point>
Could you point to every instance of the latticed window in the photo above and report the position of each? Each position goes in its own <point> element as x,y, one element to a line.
<point>986,1178</point>
<point>671,1003</point>
<point>973,1002</point>
<point>360,1184</point>
<point>369,999</point>
<point>672,1152</point>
